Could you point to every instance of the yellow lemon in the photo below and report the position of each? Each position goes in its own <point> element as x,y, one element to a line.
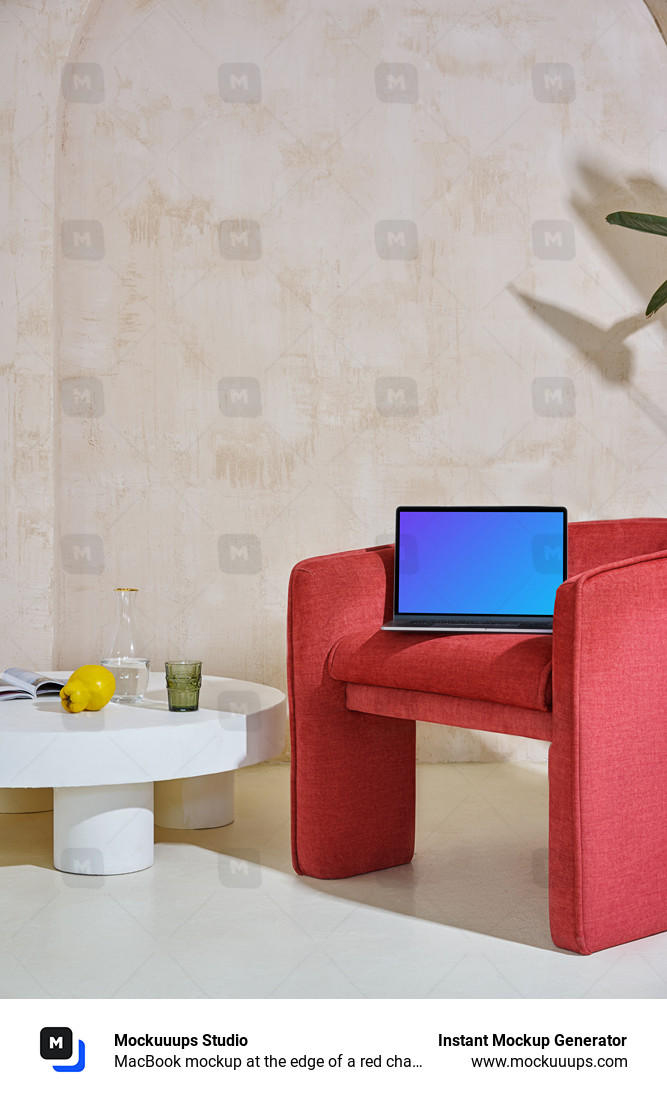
<point>88,688</point>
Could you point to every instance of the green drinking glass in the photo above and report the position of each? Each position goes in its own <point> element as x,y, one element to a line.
<point>183,683</point>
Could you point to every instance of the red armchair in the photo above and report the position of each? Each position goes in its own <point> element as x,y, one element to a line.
<point>597,691</point>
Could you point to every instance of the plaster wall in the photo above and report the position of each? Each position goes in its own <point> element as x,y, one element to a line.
<point>34,43</point>
<point>313,261</point>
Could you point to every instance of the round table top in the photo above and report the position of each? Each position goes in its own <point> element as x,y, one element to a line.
<point>237,723</point>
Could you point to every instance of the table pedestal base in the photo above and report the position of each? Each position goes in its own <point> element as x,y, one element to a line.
<point>206,801</point>
<point>103,829</point>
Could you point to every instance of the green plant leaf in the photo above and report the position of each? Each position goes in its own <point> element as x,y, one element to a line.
<point>645,223</point>
<point>657,301</point>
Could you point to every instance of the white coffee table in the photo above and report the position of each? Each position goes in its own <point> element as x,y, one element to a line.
<point>113,770</point>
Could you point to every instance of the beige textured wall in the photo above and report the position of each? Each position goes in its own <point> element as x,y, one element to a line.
<point>34,43</point>
<point>317,260</point>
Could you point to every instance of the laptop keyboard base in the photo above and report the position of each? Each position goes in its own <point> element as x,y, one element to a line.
<point>461,626</point>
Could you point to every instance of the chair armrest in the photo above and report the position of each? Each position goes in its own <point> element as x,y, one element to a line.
<point>610,633</point>
<point>352,774</point>
<point>608,757</point>
<point>329,597</point>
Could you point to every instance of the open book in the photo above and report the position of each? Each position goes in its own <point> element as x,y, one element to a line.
<point>17,683</point>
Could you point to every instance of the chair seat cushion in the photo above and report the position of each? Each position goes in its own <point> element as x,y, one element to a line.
<point>514,669</point>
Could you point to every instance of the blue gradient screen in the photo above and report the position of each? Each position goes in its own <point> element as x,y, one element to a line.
<point>479,562</point>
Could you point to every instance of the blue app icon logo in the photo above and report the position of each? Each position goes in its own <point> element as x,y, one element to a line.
<point>56,1043</point>
<point>548,553</point>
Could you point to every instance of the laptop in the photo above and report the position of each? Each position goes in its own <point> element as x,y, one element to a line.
<point>478,569</point>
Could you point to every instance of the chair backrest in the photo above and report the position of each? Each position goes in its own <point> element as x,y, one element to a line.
<point>599,542</point>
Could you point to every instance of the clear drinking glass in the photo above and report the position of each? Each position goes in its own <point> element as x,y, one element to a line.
<point>125,653</point>
<point>183,683</point>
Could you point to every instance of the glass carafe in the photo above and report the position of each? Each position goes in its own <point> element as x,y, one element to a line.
<point>125,654</point>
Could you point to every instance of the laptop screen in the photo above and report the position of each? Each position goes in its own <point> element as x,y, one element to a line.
<point>493,561</point>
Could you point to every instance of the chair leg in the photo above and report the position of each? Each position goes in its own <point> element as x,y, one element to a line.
<point>353,793</point>
<point>565,916</point>
<point>607,829</point>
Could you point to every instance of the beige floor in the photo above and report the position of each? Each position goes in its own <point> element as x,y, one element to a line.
<point>221,914</point>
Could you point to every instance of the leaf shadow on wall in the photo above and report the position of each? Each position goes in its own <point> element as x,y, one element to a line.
<point>642,260</point>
